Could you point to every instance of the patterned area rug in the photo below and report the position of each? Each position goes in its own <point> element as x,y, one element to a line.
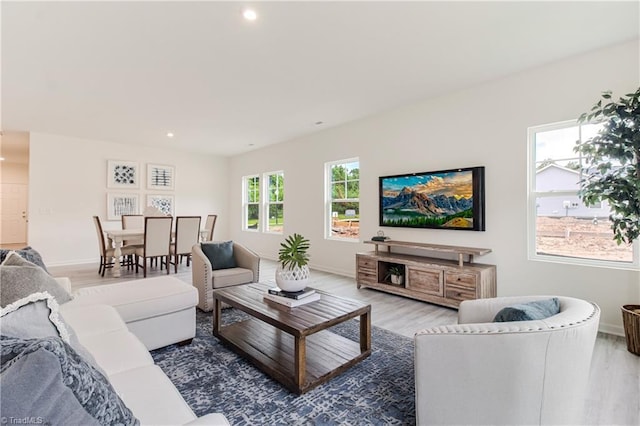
<point>212,378</point>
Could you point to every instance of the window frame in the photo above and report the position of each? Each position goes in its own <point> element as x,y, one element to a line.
<point>533,195</point>
<point>266,202</point>
<point>329,198</point>
<point>246,203</point>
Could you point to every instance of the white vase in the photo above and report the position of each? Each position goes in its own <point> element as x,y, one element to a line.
<point>396,279</point>
<point>295,279</point>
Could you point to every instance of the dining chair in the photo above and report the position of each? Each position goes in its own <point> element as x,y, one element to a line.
<point>187,234</point>
<point>107,251</point>
<point>209,225</point>
<point>157,242</point>
<point>133,221</point>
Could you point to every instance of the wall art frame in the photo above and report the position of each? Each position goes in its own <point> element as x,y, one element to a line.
<point>122,203</point>
<point>163,202</point>
<point>161,176</point>
<point>123,174</point>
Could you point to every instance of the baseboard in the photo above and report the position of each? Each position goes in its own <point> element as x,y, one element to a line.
<point>340,272</point>
<point>616,330</point>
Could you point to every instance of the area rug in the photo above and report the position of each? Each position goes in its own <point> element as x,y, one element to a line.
<point>211,378</point>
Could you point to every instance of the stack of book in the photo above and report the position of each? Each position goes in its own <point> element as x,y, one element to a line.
<point>291,299</point>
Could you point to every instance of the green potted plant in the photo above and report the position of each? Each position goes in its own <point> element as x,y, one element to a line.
<point>612,174</point>
<point>292,273</point>
<point>395,274</point>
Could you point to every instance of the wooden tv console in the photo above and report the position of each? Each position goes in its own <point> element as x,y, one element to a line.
<point>440,281</point>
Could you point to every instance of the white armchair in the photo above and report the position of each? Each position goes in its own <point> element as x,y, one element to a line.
<point>506,373</point>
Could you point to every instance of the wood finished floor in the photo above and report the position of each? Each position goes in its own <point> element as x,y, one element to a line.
<point>614,382</point>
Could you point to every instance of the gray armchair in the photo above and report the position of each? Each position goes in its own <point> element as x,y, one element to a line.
<point>205,279</point>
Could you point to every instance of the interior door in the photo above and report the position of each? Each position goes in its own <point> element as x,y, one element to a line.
<point>13,213</point>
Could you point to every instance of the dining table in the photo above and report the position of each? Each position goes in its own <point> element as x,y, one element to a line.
<point>119,235</point>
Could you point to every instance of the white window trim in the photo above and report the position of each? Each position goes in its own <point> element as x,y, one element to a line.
<point>245,202</point>
<point>532,195</point>
<point>328,200</point>
<point>266,203</point>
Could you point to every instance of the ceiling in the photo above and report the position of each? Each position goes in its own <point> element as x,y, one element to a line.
<point>132,71</point>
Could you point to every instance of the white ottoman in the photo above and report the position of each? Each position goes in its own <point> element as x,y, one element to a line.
<point>160,311</point>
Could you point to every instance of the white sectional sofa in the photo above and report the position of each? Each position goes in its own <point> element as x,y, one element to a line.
<point>119,323</point>
<point>83,357</point>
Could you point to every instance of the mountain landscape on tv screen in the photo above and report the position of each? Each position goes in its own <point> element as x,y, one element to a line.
<point>442,201</point>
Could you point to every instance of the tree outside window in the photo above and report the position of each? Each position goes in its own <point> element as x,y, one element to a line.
<point>343,199</point>
<point>252,202</point>
<point>275,202</point>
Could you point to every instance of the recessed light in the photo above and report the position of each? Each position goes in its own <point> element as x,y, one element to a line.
<point>1,158</point>
<point>169,135</point>
<point>249,14</point>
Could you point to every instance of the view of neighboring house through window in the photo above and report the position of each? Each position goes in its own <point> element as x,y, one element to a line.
<point>274,203</point>
<point>251,197</point>
<point>343,199</point>
<point>562,227</point>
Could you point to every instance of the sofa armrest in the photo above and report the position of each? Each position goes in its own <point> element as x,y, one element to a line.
<point>247,259</point>
<point>484,310</point>
<point>212,419</point>
<point>201,273</point>
<point>64,282</point>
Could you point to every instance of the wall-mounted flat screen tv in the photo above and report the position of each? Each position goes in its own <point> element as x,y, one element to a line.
<point>443,199</point>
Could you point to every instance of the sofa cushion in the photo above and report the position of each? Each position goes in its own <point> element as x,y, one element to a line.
<point>140,299</point>
<point>537,310</point>
<point>20,278</point>
<point>220,255</point>
<point>232,276</point>
<point>117,351</point>
<point>36,359</point>
<point>89,320</point>
<point>27,253</point>
<point>151,396</point>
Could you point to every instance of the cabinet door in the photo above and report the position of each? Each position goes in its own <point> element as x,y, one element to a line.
<point>458,294</point>
<point>367,270</point>
<point>429,281</point>
<point>460,279</point>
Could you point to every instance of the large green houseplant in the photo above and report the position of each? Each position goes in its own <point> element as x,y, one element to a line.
<point>292,273</point>
<point>612,174</point>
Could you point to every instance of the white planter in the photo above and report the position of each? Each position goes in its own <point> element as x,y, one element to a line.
<point>295,279</point>
<point>396,279</point>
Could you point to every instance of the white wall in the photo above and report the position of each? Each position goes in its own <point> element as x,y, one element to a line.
<point>485,125</point>
<point>67,186</point>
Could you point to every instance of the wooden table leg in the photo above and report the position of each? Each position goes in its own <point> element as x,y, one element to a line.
<point>365,332</point>
<point>117,254</point>
<point>217,316</point>
<point>300,360</point>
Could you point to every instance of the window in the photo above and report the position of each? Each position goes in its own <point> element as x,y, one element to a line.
<point>251,185</point>
<point>274,202</point>
<point>561,227</point>
<point>343,199</point>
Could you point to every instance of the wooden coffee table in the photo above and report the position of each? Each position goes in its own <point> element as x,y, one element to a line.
<point>293,345</point>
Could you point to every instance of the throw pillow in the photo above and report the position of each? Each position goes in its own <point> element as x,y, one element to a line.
<point>20,278</point>
<point>34,316</point>
<point>26,253</point>
<point>37,316</point>
<point>219,254</point>
<point>32,387</point>
<point>540,309</point>
<point>89,387</point>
